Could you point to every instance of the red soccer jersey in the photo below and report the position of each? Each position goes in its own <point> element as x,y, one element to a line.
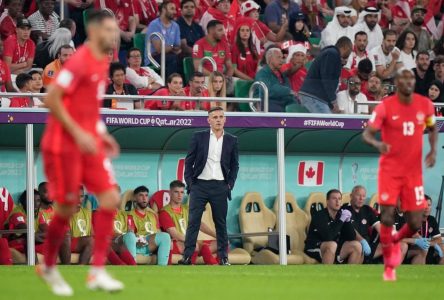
<point>160,198</point>
<point>20,102</point>
<point>220,52</point>
<point>246,64</point>
<point>402,127</point>
<point>122,9</point>
<point>83,80</point>
<point>166,221</point>
<point>5,75</point>
<point>297,78</point>
<point>191,105</point>
<point>159,104</point>
<point>7,26</point>
<point>6,206</point>
<point>146,10</point>
<point>18,53</point>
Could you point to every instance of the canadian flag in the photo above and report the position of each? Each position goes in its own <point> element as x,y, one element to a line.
<point>311,173</point>
<point>180,172</point>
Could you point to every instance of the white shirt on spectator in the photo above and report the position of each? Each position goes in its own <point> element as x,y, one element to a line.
<point>333,31</point>
<point>408,60</point>
<point>354,59</point>
<point>213,169</point>
<point>39,23</point>
<point>381,59</point>
<point>347,105</point>
<point>142,81</point>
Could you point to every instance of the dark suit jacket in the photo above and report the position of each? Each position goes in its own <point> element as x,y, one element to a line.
<point>198,154</point>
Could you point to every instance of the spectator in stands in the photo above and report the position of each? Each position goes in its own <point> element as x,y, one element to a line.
<point>428,239</point>
<point>47,51</point>
<point>76,11</point>
<point>213,45</point>
<point>148,238</point>
<point>387,57</point>
<point>80,228</point>
<point>71,26</point>
<point>359,50</point>
<point>438,49</point>
<point>118,86</point>
<point>146,11</point>
<point>190,31</point>
<point>244,54</point>
<point>298,28</point>
<point>315,13</point>
<point>125,15</point>
<point>374,89</point>
<point>168,28</point>
<point>318,92</point>
<point>19,49</point>
<point>407,43</point>
<point>348,99</point>
<point>37,87</point>
<point>217,88</point>
<point>364,220</point>
<point>436,94</point>
<point>438,67</point>
<point>368,22</point>
<point>6,207</point>
<point>64,53</point>
<point>424,39</point>
<point>145,79</point>
<point>277,13</point>
<point>279,92</point>
<point>331,237</point>
<point>174,88</point>
<point>196,88</point>
<point>5,74</point>
<point>295,69</point>
<point>219,11</point>
<point>174,220</point>
<point>44,21</point>
<point>23,82</point>
<point>337,28</point>
<point>423,73</point>
<point>8,19</point>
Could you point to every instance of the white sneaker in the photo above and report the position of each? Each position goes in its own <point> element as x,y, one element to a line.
<point>99,279</point>
<point>54,280</point>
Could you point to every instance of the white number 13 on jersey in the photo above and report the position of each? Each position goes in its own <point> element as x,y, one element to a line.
<point>408,128</point>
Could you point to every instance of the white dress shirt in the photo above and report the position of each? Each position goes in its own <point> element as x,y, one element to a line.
<point>347,105</point>
<point>213,169</point>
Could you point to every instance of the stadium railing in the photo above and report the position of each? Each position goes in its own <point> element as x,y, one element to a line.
<point>162,53</point>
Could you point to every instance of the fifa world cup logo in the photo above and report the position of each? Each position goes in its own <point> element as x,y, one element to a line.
<point>355,168</point>
<point>183,225</point>
<point>118,226</point>
<point>81,224</point>
<point>149,227</point>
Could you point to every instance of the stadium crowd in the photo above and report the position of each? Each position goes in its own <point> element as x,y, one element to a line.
<point>317,56</point>
<point>145,225</point>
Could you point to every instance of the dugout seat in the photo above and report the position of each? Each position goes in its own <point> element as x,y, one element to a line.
<point>241,90</point>
<point>316,201</point>
<point>297,222</point>
<point>126,197</point>
<point>188,68</point>
<point>18,258</point>
<point>139,42</point>
<point>254,216</point>
<point>74,258</point>
<point>346,197</point>
<point>374,202</point>
<point>160,199</point>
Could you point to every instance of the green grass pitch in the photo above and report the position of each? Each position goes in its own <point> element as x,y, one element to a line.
<point>238,282</point>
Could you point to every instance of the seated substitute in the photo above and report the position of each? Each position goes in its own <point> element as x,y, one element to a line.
<point>331,237</point>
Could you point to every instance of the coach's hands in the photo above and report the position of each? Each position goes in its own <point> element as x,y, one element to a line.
<point>430,159</point>
<point>365,247</point>
<point>85,141</point>
<point>345,215</point>
<point>382,147</point>
<point>112,148</point>
<point>422,243</point>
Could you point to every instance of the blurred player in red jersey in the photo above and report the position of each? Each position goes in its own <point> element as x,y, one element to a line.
<point>76,149</point>
<point>6,206</point>
<point>402,119</point>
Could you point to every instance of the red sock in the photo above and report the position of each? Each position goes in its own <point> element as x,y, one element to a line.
<point>194,257</point>
<point>114,259</point>
<point>54,239</point>
<point>208,257</point>
<point>404,232</point>
<point>103,230</point>
<point>5,253</point>
<point>127,258</point>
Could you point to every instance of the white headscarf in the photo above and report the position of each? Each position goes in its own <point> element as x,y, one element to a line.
<point>334,30</point>
<point>374,36</point>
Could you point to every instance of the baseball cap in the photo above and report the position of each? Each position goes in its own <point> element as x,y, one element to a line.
<point>299,16</point>
<point>419,7</point>
<point>248,6</point>
<point>23,22</point>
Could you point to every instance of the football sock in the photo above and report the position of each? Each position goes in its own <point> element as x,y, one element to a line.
<point>194,257</point>
<point>404,232</point>
<point>127,258</point>
<point>386,242</point>
<point>54,239</point>
<point>130,241</point>
<point>114,259</point>
<point>163,242</point>
<point>5,253</point>
<point>103,231</point>
<point>207,256</point>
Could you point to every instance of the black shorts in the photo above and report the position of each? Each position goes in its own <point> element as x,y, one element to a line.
<point>315,253</point>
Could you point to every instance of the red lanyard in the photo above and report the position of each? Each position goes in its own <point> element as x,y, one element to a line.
<point>20,52</point>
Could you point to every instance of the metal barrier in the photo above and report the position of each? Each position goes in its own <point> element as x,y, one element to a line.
<point>162,53</point>
<point>264,88</point>
<point>374,103</point>
<point>209,59</point>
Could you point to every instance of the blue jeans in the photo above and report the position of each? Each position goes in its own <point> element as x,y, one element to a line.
<point>314,105</point>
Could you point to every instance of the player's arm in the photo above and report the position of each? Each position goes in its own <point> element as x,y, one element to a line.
<point>175,235</point>
<point>369,136</point>
<point>83,139</point>
<point>433,139</point>
<point>207,230</point>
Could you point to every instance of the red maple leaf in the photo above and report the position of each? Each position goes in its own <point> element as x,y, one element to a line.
<point>310,173</point>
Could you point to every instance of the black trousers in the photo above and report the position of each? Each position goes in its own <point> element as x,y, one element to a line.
<point>202,192</point>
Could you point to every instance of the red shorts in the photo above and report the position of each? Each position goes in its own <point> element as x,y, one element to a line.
<point>408,189</point>
<point>175,249</point>
<point>67,171</point>
<point>74,243</point>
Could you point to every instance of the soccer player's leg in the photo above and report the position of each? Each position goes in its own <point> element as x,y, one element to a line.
<point>328,252</point>
<point>63,172</point>
<point>207,249</point>
<point>161,241</point>
<point>352,252</point>
<point>417,256</point>
<point>83,246</point>
<point>99,179</point>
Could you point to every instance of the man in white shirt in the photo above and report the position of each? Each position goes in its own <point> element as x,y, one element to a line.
<point>145,79</point>
<point>337,28</point>
<point>368,22</point>
<point>348,99</point>
<point>386,57</point>
<point>359,50</point>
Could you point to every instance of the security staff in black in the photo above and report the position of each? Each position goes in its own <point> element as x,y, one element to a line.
<point>211,168</point>
<point>331,235</point>
<point>365,222</point>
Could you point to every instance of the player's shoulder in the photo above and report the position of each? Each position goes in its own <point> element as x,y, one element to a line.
<point>422,99</point>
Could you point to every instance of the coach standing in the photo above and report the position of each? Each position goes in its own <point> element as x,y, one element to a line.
<point>211,168</point>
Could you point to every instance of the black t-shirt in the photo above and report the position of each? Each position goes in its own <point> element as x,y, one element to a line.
<point>422,84</point>
<point>324,229</point>
<point>363,220</point>
<point>128,89</point>
<point>430,228</point>
<point>399,221</point>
